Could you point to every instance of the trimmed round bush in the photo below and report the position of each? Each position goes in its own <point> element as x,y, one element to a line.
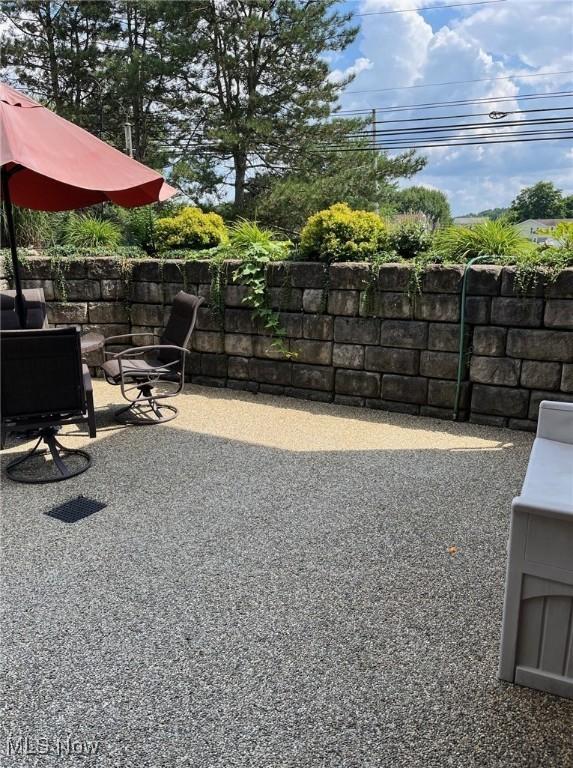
<point>342,234</point>
<point>190,228</point>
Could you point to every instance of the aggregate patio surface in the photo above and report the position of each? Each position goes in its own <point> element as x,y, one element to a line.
<point>270,586</point>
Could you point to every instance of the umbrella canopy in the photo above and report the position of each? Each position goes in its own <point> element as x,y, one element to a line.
<point>50,164</point>
<point>61,166</point>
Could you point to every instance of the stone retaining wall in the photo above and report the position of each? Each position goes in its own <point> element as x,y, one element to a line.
<point>392,350</point>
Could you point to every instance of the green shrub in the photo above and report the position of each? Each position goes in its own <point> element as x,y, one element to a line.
<point>190,228</point>
<point>341,234</point>
<point>138,227</point>
<point>248,240</point>
<point>490,238</point>
<point>409,239</point>
<point>88,231</point>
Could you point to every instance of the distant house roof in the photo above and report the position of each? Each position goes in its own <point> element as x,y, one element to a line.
<point>544,222</point>
<point>468,221</point>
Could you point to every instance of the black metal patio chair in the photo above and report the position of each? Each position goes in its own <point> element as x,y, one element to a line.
<point>152,373</point>
<point>45,386</point>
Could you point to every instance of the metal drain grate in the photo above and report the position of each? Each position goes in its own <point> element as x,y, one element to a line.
<point>76,509</point>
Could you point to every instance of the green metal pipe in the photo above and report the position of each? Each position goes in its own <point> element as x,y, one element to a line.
<point>462,351</point>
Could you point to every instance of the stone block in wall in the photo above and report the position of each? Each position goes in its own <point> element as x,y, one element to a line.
<point>37,267</point>
<point>390,360</point>
<point>511,287</point>
<point>567,378</point>
<point>244,386</point>
<point>434,412</point>
<point>291,324</point>
<point>204,291</point>
<point>235,295</point>
<point>148,337</point>
<point>209,381</point>
<point>349,400</point>
<point>525,312</point>
<point>238,321</point>
<point>109,329</point>
<point>444,337</point>
<point>174,271</point>
<point>394,277</point>
<point>478,310</point>
<point>484,280</point>
<point>238,368</point>
<point>540,345</point>
<point>405,389</point>
<point>318,327</point>
<point>312,377</point>
<point>486,420</point>
<point>67,312</point>
<point>146,270</point>
<point>441,307</point>
<point>288,301</point>
<point>146,293</point>
<point>562,286</point>
<point>559,313</point>
<point>147,314</point>
<point>270,371</point>
<point>77,290</point>
<point>198,271</point>
<point>343,303</point>
<point>263,346</point>
<point>538,396</point>
<point>441,279</point>
<point>208,341</point>
<point>404,333</point>
<point>495,370</point>
<point>524,425</point>
<point>357,383</point>
<point>311,351</point>
<point>489,341</point>
<point>238,344</point>
<point>298,274</point>
<point>170,291</point>
<point>349,276</point>
<point>356,330</point>
<point>320,396</point>
<point>103,268</point>
<point>386,304</point>
<point>207,320</point>
<point>214,365</point>
<point>439,365</point>
<point>113,290</point>
<point>46,285</point>
<point>535,375</point>
<point>348,356</point>
<point>442,394</point>
<point>394,406</point>
<point>312,300</point>
<point>193,363</point>
<point>108,312</point>
<point>500,401</point>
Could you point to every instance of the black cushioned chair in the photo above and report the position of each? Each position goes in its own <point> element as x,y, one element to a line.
<point>44,387</point>
<point>140,370</point>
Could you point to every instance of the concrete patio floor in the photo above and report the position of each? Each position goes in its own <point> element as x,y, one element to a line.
<point>270,586</point>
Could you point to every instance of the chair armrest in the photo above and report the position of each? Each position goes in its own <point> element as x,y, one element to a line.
<point>127,336</point>
<point>555,421</point>
<point>552,508</point>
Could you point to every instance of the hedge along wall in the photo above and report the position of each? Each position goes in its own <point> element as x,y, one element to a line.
<point>396,351</point>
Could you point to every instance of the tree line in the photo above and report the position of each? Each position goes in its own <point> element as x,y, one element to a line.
<point>235,100</point>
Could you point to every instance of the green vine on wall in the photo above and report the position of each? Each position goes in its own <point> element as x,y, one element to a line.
<point>58,269</point>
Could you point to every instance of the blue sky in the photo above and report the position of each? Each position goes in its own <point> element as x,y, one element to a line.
<point>504,40</point>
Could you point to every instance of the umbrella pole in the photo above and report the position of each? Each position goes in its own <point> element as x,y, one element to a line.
<point>20,308</point>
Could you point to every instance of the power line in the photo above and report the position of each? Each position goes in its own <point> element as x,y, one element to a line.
<point>471,114</point>
<point>467,126</point>
<point>430,8</point>
<point>452,144</point>
<point>460,102</point>
<point>464,82</point>
<point>415,140</point>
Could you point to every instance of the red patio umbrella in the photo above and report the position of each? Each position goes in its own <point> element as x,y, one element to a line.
<point>50,164</point>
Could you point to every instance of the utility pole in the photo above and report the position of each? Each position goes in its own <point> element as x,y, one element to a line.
<point>375,156</point>
<point>128,140</point>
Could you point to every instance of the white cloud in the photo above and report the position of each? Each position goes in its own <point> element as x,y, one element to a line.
<point>481,43</point>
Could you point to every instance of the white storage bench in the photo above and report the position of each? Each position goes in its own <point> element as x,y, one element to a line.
<point>537,634</point>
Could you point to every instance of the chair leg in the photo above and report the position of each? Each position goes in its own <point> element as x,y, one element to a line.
<point>58,453</point>
<point>145,410</point>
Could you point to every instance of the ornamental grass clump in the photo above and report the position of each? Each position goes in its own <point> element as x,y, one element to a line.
<point>88,231</point>
<point>192,229</point>
<point>342,234</point>
<point>501,241</point>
